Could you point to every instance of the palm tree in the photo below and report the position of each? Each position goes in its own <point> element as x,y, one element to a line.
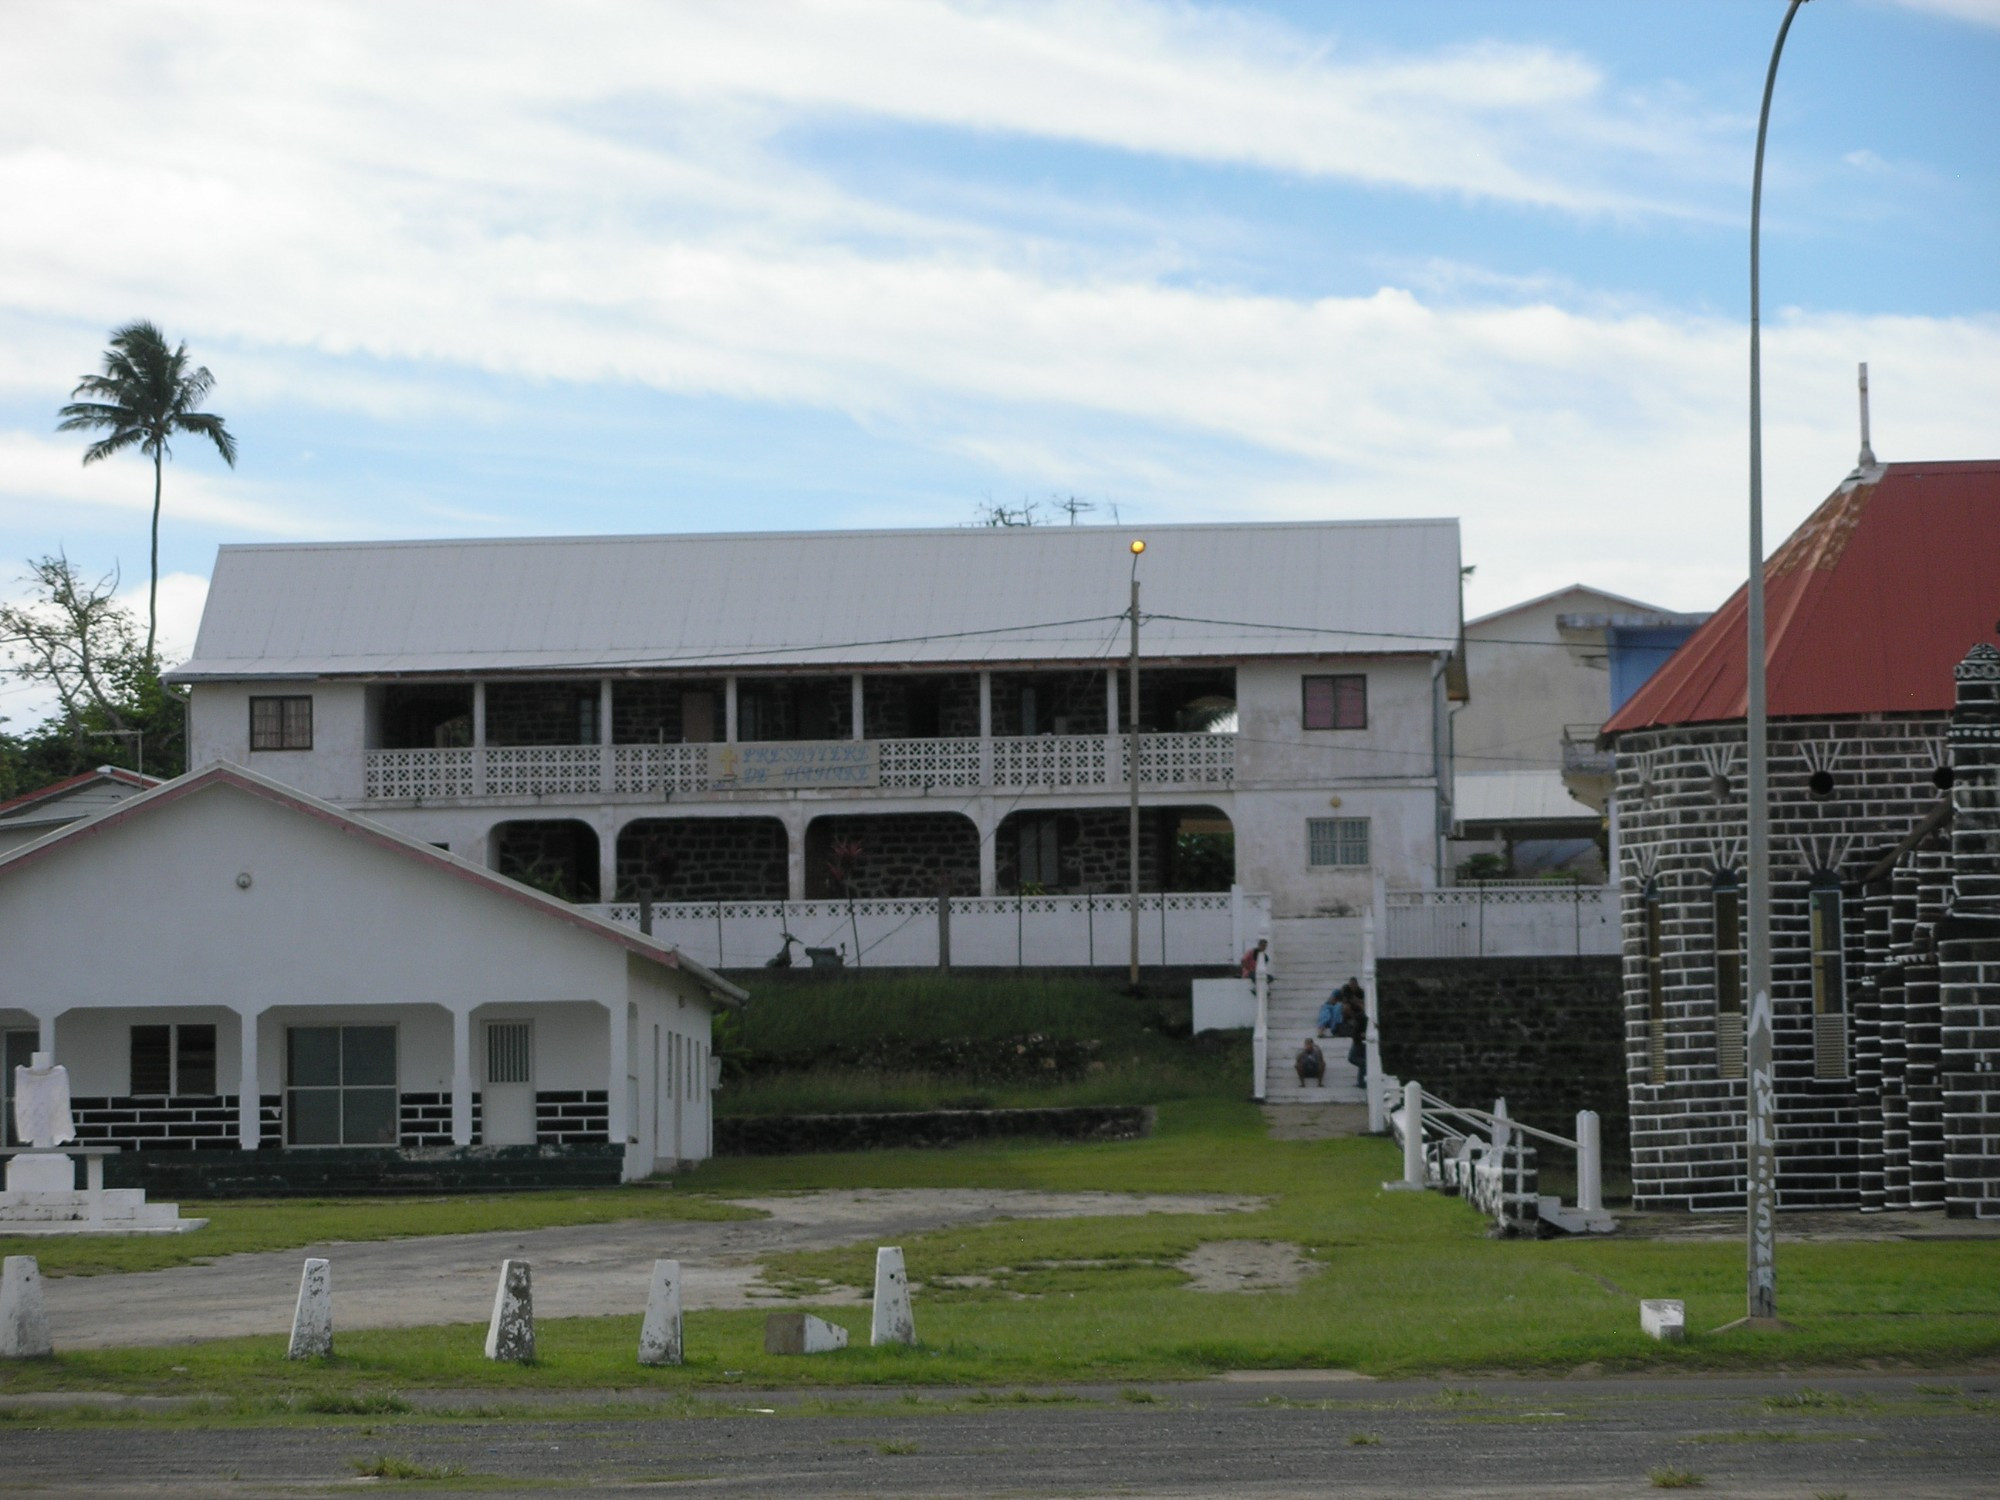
<point>145,395</point>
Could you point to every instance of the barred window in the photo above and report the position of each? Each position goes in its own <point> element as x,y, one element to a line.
<point>1336,841</point>
<point>1336,702</point>
<point>1829,980</point>
<point>281,723</point>
<point>1728,900</point>
<point>1652,952</point>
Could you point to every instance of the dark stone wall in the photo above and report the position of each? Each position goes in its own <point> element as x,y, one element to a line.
<point>1545,1034</point>
<point>920,705</point>
<point>902,854</point>
<point>1681,807</point>
<point>648,710</point>
<point>702,859</point>
<point>541,713</point>
<point>1077,698</point>
<point>786,1135</point>
<point>316,1172</point>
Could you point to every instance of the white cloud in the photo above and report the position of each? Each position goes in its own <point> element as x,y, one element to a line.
<point>1979,12</point>
<point>38,473</point>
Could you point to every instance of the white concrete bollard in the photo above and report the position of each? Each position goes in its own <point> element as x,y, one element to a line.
<point>802,1333</point>
<point>24,1319</point>
<point>894,1322</point>
<point>510,1334</point>
<point>312,1319</point>
<point>1589,1163</point>
<point>1664,1318</point>
<point>660,1334</point>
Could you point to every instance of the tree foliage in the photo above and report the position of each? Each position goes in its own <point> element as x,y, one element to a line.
<point>74,639</point>
<point>147,394</point>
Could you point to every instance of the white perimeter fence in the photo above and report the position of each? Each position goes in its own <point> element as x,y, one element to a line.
<point>1182,929</point>
<point>1496,920</point>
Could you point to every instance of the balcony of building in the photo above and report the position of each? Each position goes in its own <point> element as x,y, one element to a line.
<point>884,732</point>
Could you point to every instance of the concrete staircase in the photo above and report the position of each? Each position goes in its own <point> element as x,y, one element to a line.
<point>1310,958</point>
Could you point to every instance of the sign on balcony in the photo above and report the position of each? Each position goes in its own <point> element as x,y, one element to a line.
<point>794,765</point>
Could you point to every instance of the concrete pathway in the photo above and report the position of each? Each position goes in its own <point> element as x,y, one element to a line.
<point>581,1271</point>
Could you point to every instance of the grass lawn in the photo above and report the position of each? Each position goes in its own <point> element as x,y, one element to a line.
<point>861,1043</point>
<point>1405,1284</point>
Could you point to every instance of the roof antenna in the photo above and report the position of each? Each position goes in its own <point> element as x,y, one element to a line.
<point>1867,458</point>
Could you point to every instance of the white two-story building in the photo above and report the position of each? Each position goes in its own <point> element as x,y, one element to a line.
<point>884,714</point>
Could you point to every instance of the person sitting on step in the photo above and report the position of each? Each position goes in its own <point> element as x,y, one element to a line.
<point>1310,1063</point>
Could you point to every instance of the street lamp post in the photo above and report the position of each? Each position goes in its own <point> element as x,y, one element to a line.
<point>1132,768</point>
<point>1760,1163</point>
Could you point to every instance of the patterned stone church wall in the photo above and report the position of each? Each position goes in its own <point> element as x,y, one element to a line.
<point>1843,792</point>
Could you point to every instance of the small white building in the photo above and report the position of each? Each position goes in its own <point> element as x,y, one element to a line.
<point>226,962</point>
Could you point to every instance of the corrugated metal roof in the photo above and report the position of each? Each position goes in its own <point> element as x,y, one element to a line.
<point>967,595</point>
<point>1867,606</point>
<point>1514,797</point>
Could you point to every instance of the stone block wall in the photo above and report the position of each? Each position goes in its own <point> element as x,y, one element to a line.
<point>1969,950</point>
<point>703,859</point>
<point>1077,698</point>
<point>1542,1033</point>
<point>1843,792</point>
<point>541,713</point>
<point>902,855</point>
<point>1903,812</point>
<point>892,705</point>
<point>647,710</point>
<point>425,1119</point>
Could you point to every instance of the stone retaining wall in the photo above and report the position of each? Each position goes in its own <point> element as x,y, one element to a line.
<point>786,1135</point>
<point>1545,1034</point>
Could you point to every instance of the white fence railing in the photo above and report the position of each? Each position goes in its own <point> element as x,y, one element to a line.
<point>1178,928</point>
<point>1493,920</point>
<point>1053,761</point>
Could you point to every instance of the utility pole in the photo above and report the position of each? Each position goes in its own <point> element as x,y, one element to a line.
<point>1760,1175</point>
<point>1132,770</point>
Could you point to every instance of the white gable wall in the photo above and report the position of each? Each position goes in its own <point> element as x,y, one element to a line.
<point>147,920</point>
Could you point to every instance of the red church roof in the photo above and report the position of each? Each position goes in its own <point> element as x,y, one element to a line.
<point>1867,606</point>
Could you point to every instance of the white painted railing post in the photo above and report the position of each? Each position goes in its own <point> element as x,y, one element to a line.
<point>1501,1134</point>
<point>1589,1164</point>
<point>1413,1134</point>
<point>1260,1039</point>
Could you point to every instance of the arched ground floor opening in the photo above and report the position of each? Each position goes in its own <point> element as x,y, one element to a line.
<point>702,859</point>
<point>1087,849</point>
<point>556,855</point>
<point>887,855</point>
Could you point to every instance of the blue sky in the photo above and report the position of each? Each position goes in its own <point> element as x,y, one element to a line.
<point>624,267</point>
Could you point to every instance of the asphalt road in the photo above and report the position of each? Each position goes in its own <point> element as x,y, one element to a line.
<point>1262,1437</point>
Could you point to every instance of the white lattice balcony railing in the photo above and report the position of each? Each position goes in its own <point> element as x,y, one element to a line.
<point>660,768</point>
<point>418,775</point>
<point>1052,761</point>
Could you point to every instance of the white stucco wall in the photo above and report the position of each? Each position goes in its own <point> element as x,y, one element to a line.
<point>1526,684</point>
<point>1287,775</point>
<point>148,920</point>
<point>335,768</point>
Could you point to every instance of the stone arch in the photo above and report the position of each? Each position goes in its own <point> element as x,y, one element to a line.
<point>556,855</point>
